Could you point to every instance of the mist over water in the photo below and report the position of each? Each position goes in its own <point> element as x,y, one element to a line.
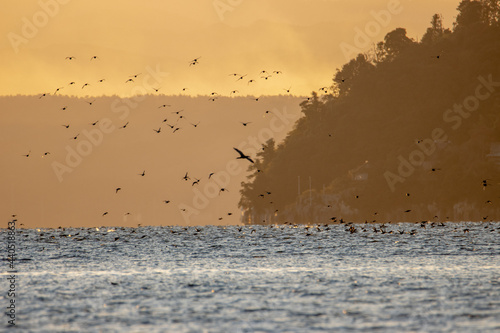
<point>399,278</point>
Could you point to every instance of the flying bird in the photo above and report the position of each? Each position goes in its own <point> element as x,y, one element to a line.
<point>194,61</point>
<point>243,156</point>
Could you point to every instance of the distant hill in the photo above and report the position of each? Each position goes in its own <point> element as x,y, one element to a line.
<point>411,132</point>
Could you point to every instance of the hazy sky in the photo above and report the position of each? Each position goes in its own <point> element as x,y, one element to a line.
<point>298,37</point>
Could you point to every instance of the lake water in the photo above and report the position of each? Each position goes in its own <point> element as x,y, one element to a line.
<point>259,279</point>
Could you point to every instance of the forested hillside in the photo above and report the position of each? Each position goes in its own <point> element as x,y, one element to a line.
<point>410,132</point>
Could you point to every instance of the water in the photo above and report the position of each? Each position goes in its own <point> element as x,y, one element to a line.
<point>259,279</point>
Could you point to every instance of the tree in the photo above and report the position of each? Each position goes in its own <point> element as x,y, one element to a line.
<point>435,31</point>
<point>491,10</point>
<point>344,79</point>
<point>396,41</point>
<point>470,12</point>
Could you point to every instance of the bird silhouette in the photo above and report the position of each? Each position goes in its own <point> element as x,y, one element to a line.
<point>194,61</point>
<point>158,130</point>
<point>245,124</point>
<point>118,189</point>
<point>143,173</point>
<point>243,156</point>
<point>186,177</point>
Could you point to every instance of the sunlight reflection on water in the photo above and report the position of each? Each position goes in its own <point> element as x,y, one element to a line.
<point>171,279</point>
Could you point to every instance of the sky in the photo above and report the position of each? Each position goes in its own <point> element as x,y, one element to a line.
<point>144,46</point>
<point>302,39</point>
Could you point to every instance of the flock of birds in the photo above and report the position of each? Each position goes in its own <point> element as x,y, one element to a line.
<point>174,125</point>
<point>85,234</point>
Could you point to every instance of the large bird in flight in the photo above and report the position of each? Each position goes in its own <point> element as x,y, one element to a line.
<point>243,156</point>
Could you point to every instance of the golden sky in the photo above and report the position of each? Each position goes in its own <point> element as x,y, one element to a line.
<point>301,38</point>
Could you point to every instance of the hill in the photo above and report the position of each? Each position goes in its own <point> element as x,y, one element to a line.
<point>410,133</point>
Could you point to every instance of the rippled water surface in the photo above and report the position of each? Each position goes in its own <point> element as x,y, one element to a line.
<point>260,279</point>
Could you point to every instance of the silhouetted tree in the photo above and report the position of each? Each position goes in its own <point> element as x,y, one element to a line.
<point>396,41</point>
<point>470,12</point>
<point>346,77</point>
<point>435,31</point>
